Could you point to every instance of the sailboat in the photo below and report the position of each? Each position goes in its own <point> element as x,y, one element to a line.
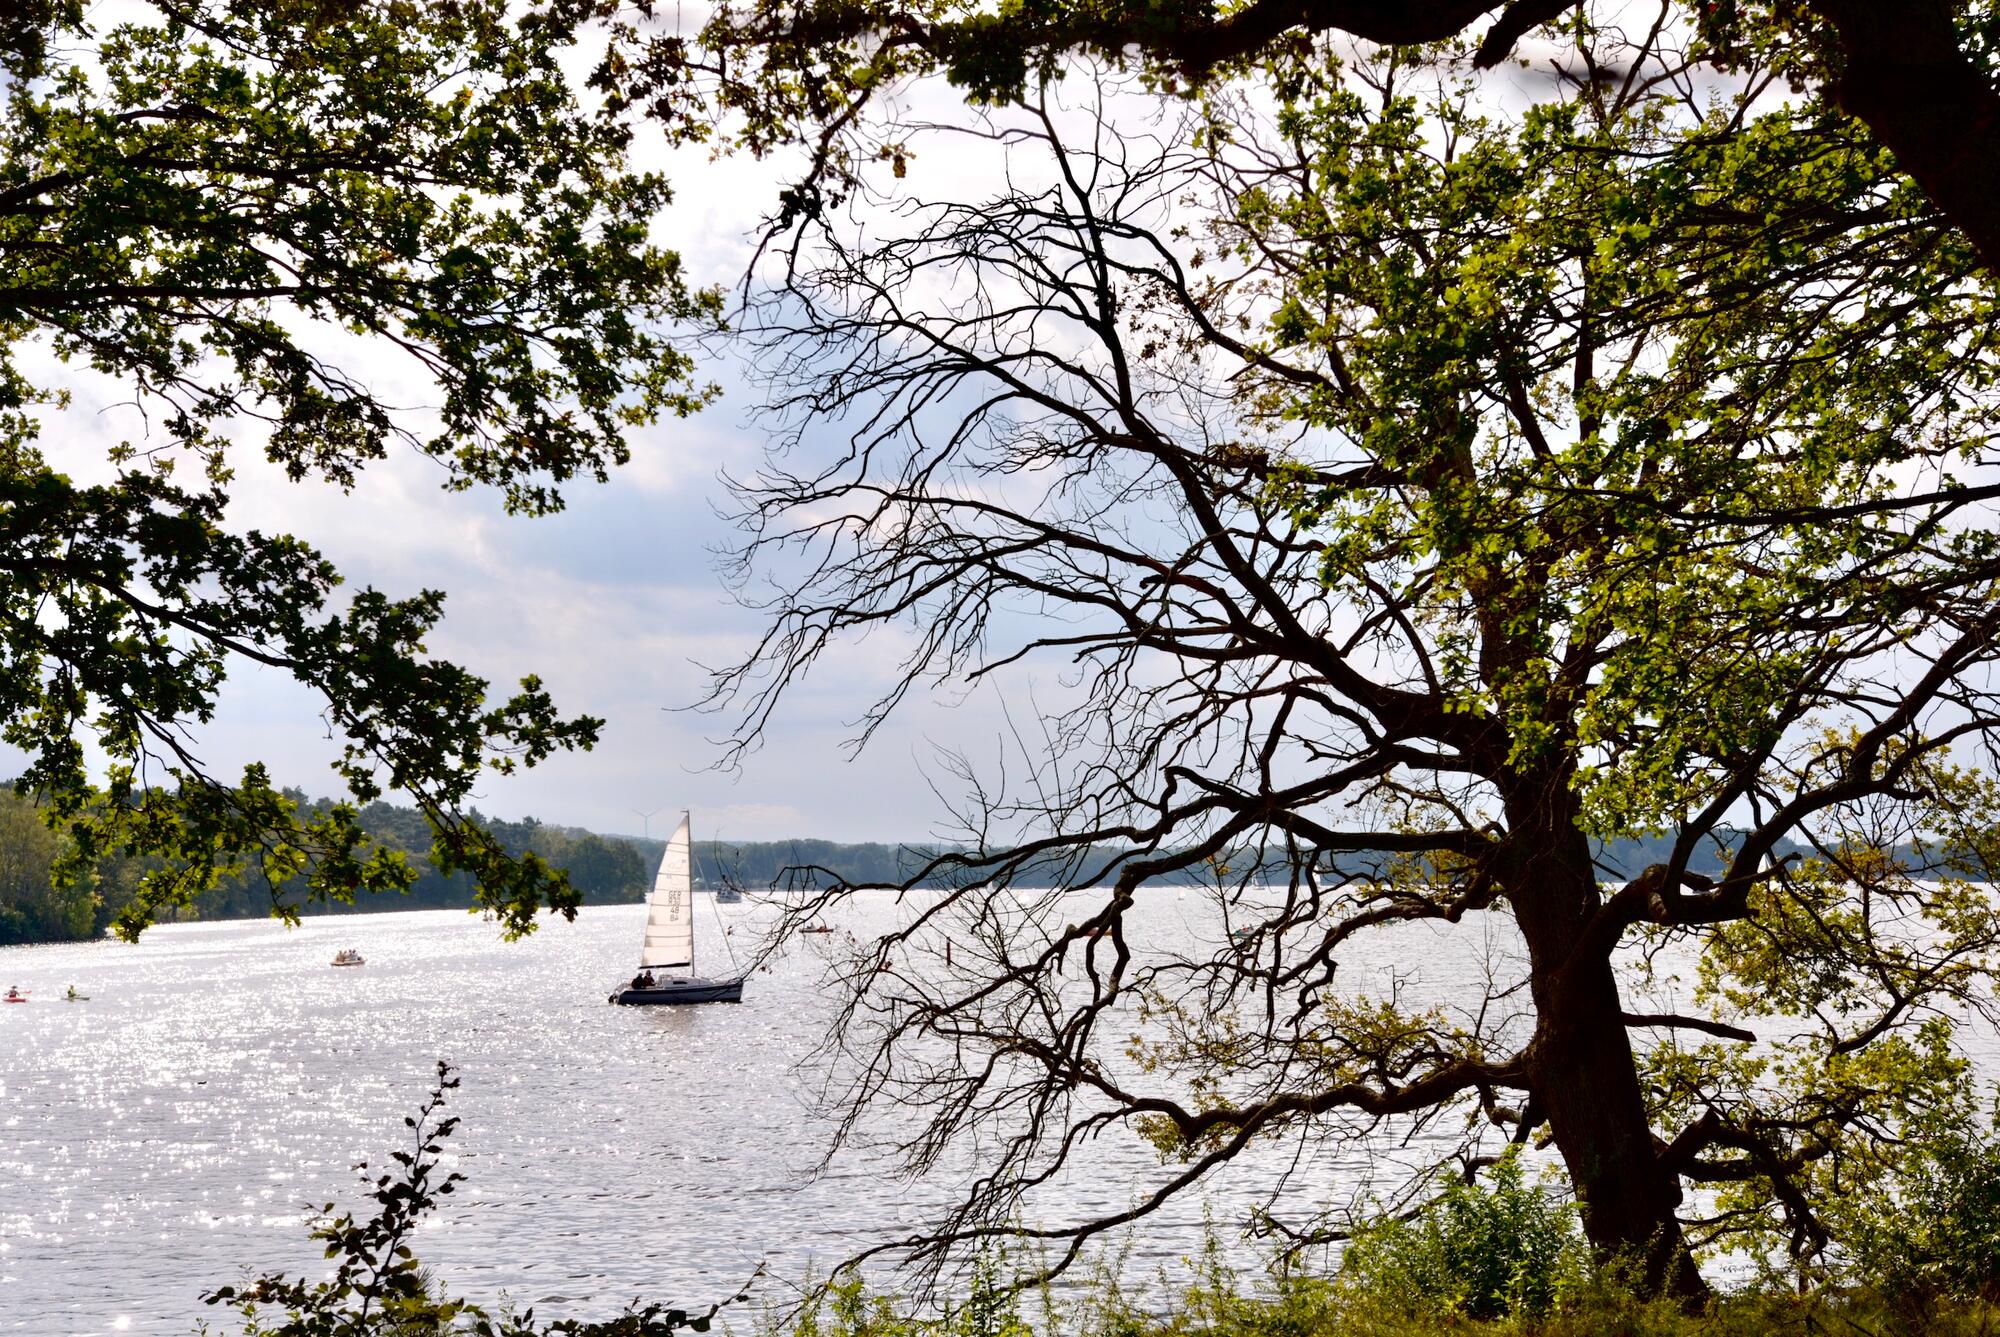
<point>669,940</point>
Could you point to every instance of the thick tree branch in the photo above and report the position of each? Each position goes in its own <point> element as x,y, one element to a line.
<point>1905,72</point>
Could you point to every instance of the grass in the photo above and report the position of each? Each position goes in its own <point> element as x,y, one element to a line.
<point>1296,1305</point>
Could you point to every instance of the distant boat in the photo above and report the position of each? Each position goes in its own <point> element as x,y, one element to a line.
<point>14,995</point>
<point>347,956</point>
<point>726,894</point>
<point>74,997</point>
<point>817,928</point>
<point>669,940</point>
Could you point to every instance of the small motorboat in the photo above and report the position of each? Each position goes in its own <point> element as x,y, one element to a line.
<point>347,956</point>
<point>14,995</point>
<point>817,928</point>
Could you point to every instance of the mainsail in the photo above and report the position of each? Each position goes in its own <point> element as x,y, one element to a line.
<point>670,909</point>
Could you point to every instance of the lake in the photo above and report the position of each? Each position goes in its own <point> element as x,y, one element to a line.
<point>168,1135</point>
<point>171,1133</point>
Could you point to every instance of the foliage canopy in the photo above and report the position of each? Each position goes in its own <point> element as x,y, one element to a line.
<point>1920,75</point>
<point>243,217</point>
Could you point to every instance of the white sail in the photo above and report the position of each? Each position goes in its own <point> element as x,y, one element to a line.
<point>670,909</point>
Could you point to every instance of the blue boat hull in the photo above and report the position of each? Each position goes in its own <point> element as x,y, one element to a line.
<point>682,991</point>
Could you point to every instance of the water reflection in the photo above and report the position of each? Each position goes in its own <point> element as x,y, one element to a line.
<point>165,1136</point>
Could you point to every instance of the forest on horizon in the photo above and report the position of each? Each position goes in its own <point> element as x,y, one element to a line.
<point>606,868</point>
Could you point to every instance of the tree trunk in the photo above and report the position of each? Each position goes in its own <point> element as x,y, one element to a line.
<point>1587,1084</point>
<point>1581,1070</point>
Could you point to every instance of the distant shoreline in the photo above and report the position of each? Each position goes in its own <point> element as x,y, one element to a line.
<point>616,869</point>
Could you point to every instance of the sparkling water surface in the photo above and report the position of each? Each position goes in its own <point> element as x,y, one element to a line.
<point>168,1135</point>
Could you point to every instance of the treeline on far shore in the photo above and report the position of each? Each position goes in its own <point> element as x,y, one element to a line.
<point>758,865</point>
<point>604,868</point>
<point>32,909</point>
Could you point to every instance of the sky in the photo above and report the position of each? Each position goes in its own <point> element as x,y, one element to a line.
<point>617,603</point>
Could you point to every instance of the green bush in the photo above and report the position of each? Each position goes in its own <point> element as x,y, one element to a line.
<point>1482,1251</point>
<point>1939,1240</point>
<point>1282,1302</point>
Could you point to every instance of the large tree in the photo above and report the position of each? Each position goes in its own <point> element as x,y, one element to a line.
<point>1420,499</point>
<point>238,218</point>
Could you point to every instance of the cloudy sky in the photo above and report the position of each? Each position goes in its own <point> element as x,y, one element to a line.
<point>616,604</point>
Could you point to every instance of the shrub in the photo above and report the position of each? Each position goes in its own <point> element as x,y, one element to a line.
<point>845,1307</point>
<point>1940,1238</point>
<point>1481,1251</point>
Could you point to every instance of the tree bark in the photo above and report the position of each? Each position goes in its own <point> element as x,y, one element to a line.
<point>1584,1077</point>
<point>1581,1069</point>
